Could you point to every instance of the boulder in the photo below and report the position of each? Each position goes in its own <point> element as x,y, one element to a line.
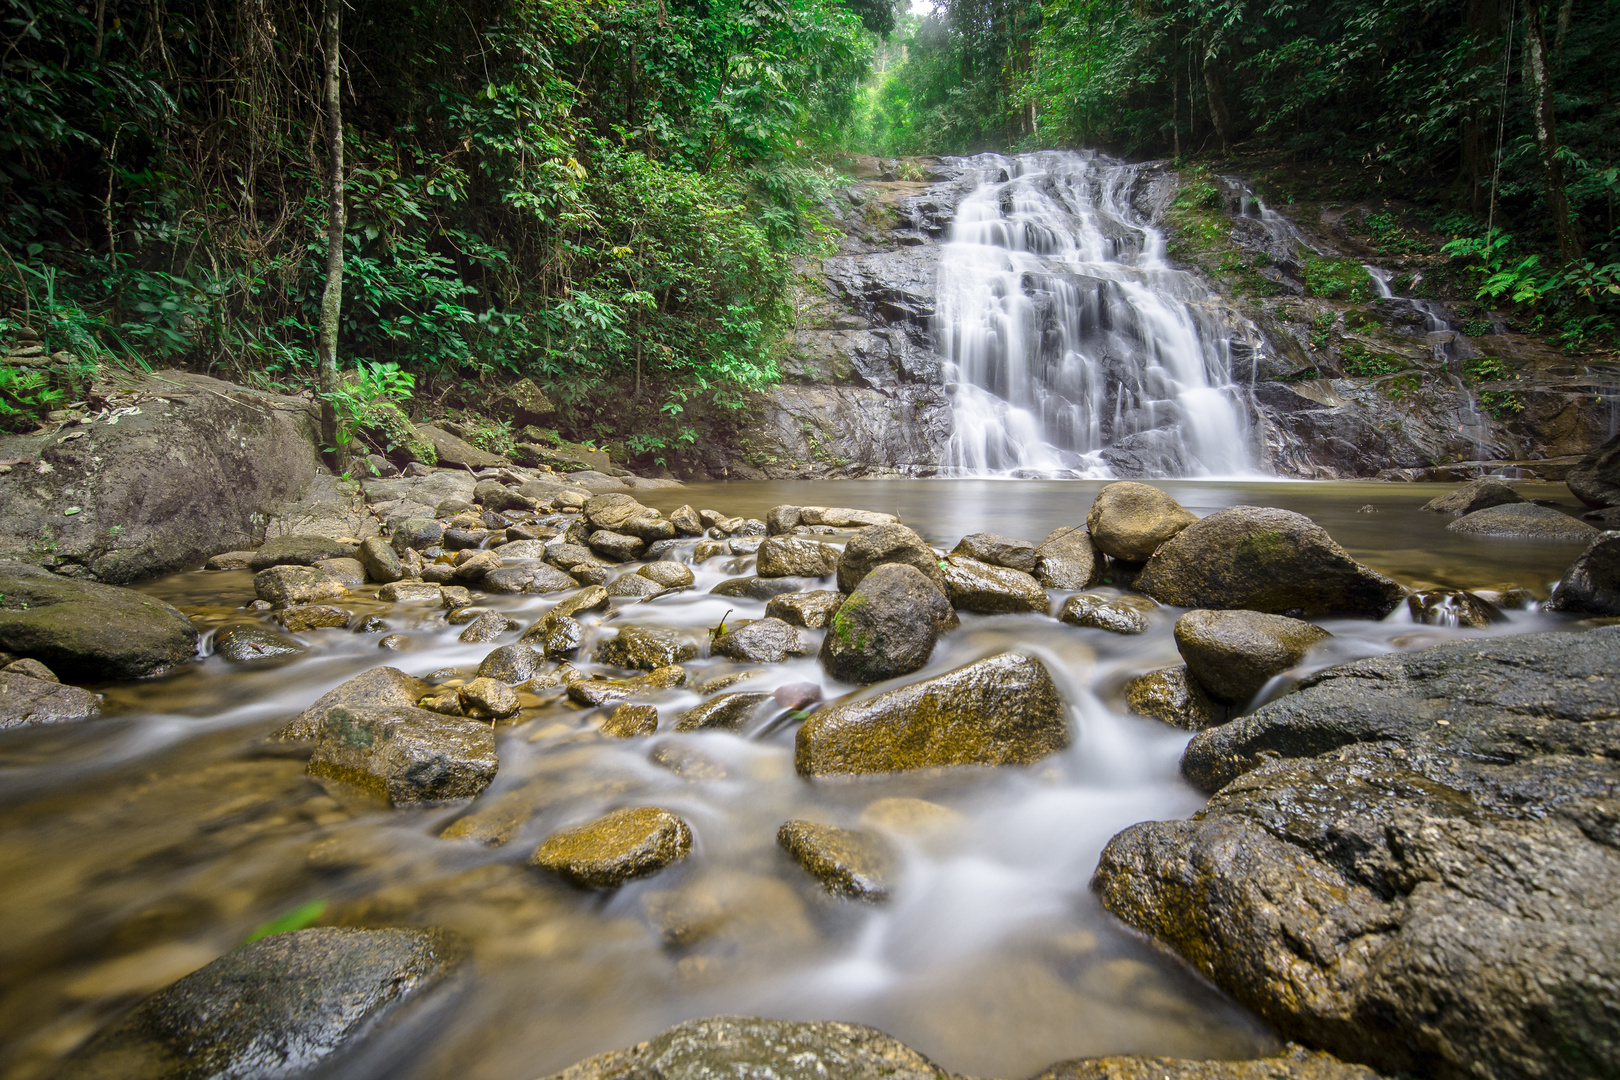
<point>997,550</point>
<point>26,701</point>
<point>282,586</point>
<point>1592,585</point>
<point>1129,521</point>
<point>842,517</point>
<point>645,647</point>
<point>709,549</point>
<point>511,664</point>
<point>488,698</point>
<point>607,852</point>
<point>1481,494</point>
<point>1595,479</point>
<point>989,590</point>
<point>377,690</point>
<point>31,669</point>
<point>1264,559</point>
<point>619,547</point>
<point>199,468</point>
<point>686,521</point>
<point>1291,1063</point>
<point>454,451</point>
<point>670,575</point>
<point>1003,710</point>
<point>758,588</point>
<point>612,510</point>
<point>631,721</point>
<point>879,544</point>
<point>749,1048</point>
<point>1067,559</point>
<point>1173,696</point>
<point>524,403</point>
<point>299,551</point>
<point>475,567</point>
<point>495,496</point>
<point>650,527</point>
<point>88,632</point>
<point>229,560</point>
<point>527,579</point>
<point>634,586</point>
<point>763,641</point>
<point>1233,654</point>
<point>887,627</point>
<point>567,556</point>
<point>254,644</point>
<point>1115,614</point>
<point>488,626</point>
<point>723,712</point>
<point>556,635</point>
<point>745,545</point>
<point>301,618</point>
<point>1524,521</point>
<point>403,756</point>
<point>287,1005</point>
<point>408,592</point>
<point>793,556</point>
<point>1410,861</point>
<point>350,572</point>
<point>415,532</point>
<point>380,560</point>
<point>781,519</point>
<point>811,610</point>
<point>848,863</point>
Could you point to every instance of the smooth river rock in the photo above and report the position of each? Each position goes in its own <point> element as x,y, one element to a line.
<point>1481,494</point>
<point>997,550</point>
<point>1233,654</point>
<point>646,648</point>
<point>26,701</point>
<point>1174,696</point>
<point>763,641</point>
<point>1592,585</point>
<point>723,712</point>
<point>877,545</point>
<point>87,632</point>
<point>811,610</point>
<point>1291,1063</point>
<point>980,587</point>
<point>1067,559</point>
<point>1003,710</point>
<point>1412,862</point>
<point>607,852</point>
<point>849,863</point>
<point>1115,614</point>
<point>887,627</point>
<point>1523,521</point>
<point>793,556</point>
<point>403,756</point>
<point>1264,559</point>
<point>288,1005</point>
<point>1129,521</point>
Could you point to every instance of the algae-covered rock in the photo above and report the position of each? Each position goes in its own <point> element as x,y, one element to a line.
<point>1067,559</point>
<point>794,556</point>
<point>749,1048</point>
<point>646,648</point>
<point>630,721</point>
<point>723,712</point>
<point>88,632</point>
<point>980,587</point>
<point>454,451</point>
<point>1592,585</point>
<point>849,863</point>
<point>1232,654</point>
<point>1129,521</point>
<point>1003,710</point>
<point>1115,614</point>
<point>811,610</point>
<point>287,1005</point>
<point>762,641</point>
<point>386,426</point>
<point>1172,695</point>
<point>378,690</point>
<point>301,618</point>
<point>1481,494</point>
<point>403,756</point>
<point>1264,559</point>
<point>1524,521</point>
<point>607,852</point>
<point>878,545</point>
<point>887,627</point>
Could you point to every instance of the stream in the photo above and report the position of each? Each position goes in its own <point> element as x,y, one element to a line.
<point>142,845</point>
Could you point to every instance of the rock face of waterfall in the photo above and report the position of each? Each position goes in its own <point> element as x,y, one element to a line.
<point>1071,347</point>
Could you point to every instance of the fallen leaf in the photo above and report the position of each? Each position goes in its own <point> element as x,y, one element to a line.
<point>71,435</point>
<point>70,511</point>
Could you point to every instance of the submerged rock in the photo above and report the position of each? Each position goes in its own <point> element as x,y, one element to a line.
<point>1523,520</point>
<point>997,550</point>
<point>1592,584</point>
<point>878,545</point>
<point>87,632</point>
<point>286,1005</point>
<point>1172,695</point>
<point>1067,559</point>
<point>989,590</point>
<point>811,610</point>
<point>1003,710</point>
<point>1264,559</point>
<point>26,700</point>
<point>589,693</point>
<point>645,647</point>
<point>1129,521</point>
<point>629,721</point>
<point>1232,654</point>
<point>763,641</point>
<point>792,556</point>
<point>753,1049</point>
<point>1481,494</point>
<point>1115,614</point>
<point>849,863</point>
<point>607,852</point>
<point>887,627</point>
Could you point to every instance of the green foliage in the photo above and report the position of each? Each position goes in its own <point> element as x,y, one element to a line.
<point>1322,329</point>
<point>1487,369</point>
<point>495,436</point>
<point>1337,279</point>
<point>1502,404</point>
<point>297,919</point>
<point>357,396</point>
<point>1361,364</point>
<point>25,397</point>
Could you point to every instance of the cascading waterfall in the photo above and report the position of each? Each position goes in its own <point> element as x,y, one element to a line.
<point>1072,347</point>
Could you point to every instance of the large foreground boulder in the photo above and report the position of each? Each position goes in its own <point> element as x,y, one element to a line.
<point>1592,585</point>
<point>887,627</point>
<point>749,1048</point>
<point>86,632</point>
<point>1414,861</point>
<point>284,1006</point>
<point>1129,520</point>
<point>1003,710</point>
<point>1595,479</point>
<point>1265,559</point>
<point>197,469</point>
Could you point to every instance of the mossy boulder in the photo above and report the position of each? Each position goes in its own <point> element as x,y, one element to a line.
<point>1129,521</point>
<point>847,862</point>
<point>1264,559</point>
<point>1003,710</point>
<point>887,627</point>
<point>1233,654</point>
<point>386,427</point>
<point>87,632</point>
<point>605,853</point>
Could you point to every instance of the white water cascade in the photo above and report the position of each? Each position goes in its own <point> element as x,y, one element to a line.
<point>1072,347</point>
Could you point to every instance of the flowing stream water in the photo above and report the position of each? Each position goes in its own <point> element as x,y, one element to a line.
<point>1070,341</point>
<point>140,846</point>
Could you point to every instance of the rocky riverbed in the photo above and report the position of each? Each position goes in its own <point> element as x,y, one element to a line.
<point>534,769</point>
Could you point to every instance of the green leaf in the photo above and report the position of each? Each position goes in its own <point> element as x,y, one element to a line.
<point>296,919</point>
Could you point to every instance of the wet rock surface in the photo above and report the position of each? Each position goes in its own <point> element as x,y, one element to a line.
<point>847,862</point>
<point>607,852</point>
<point>629,721</point>
<point>285,585</point>
<point>1174,696</point>
<point>997,550</point>
<point>723,712</point>
<point>1592,585</point>
<point>1523,520</point>
<point>1410,862</point>
<point>879,544</point>
<point>980,587</point>
<point>299,550</point>
<point>1264,559</point>
<point>792,556</point>
<point>251,644</point>
<point>1293,1063</point>
<point>86,631</point>
<point>1595,479</point>
<point>646,648</point>
<point>403,756</point>
<point>763,641</point>
<point>1232,654</point>
<point>26,700</point>
<point>1480,494</point>
<point>1068,559</point>
<point>811,610</point>
<point>1004,710</point>
<point>284,1006</point>
<point>887,627</point>
<point>1129,521</point>
<point>1115,614</point>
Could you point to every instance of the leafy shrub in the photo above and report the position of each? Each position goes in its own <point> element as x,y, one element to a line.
<point>25,397</point>
<point>1337,279</point>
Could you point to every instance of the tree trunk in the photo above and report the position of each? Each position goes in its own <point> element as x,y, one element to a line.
<point>1546,125</point>
<point>332,296</point>
<point>1484,22</point>
<point>1217,102</point>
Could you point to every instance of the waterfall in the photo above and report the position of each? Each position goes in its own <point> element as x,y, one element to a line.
<point>1071,347</point>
